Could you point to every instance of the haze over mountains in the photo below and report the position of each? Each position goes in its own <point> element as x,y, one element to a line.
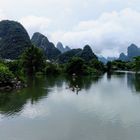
<point>14,39</point>
<point>61,48</point>
<point>132,51</point>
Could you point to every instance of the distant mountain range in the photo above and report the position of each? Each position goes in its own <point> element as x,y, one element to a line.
<point>86,54</point>
<point>132,52</point>
<point>61,48</point>
<point>14,39</point>
<point>105,60</point>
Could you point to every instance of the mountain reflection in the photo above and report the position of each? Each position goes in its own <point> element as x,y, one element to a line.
<point>39,88</point>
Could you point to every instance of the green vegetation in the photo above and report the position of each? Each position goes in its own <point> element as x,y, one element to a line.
<point>13,73</point>
<point>6,76</point>
<point>67,56</point>
<point>79,66</point>
<point>24,59</point>
<point>32,60</point>
<point>137,63</point>
<point>121,65</point>
<point>52,69</point>
<point>75,65</point>
<point>109,66</point>
<point>86,54</point>
<point>49,49</point>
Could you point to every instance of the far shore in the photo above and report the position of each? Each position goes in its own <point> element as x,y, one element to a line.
<point>125,71</point>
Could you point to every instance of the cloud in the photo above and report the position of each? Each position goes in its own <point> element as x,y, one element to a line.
<point>2,15</point>
<point>35,24</point>
<point>108,29</point>
<point>109,34</point>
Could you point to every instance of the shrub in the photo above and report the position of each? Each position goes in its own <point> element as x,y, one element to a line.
<point>6,76</point>
<point>75,65</point>
<point>52,69</point>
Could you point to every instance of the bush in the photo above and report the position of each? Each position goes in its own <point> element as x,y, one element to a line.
<point>137,63</point>
<point>6,76</point>
<point>52,69</point>
<point>75,65</point>
<point>97,65</point>
<point>15,67</point>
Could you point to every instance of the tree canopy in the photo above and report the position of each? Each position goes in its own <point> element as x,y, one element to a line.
<point>32,60</point>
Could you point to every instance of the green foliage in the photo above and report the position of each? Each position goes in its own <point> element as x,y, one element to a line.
<point>49,49</point>
<point>80,67</point>
<point>96,64</point>
<point>67,56</point>
<point>16,68</point>
<point>91,71</point>
<point>75,65</point>
<point>118,64</point>
<point>32,60</point>
<point>87,54</point>
<point>130,65</point>
<point>52,69</point>
<point>121,65</point>
<point>109,66</point>
<point>137,63</point>
<point>5,75</point>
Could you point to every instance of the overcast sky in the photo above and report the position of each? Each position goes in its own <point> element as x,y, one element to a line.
<point>109,26</point>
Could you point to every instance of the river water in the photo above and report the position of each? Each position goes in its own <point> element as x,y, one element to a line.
<point>66,108</point>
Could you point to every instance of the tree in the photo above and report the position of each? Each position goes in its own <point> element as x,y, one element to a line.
<point>96,64</point>
<point>6,76</point>
<point>137,63</point>
<point>75,65</point>
<point>109,66</point>
<point>52,69</point>
<point>33,60</point>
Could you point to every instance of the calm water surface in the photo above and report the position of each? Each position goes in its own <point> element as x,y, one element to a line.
<point>65,108</point>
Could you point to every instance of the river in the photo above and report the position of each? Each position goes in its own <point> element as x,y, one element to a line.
<point>66,108</point>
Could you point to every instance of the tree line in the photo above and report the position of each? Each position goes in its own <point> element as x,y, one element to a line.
<point>33,62</point>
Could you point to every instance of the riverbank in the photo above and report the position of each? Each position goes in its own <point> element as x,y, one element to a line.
<point>123,71</point>
<point>11,85</point>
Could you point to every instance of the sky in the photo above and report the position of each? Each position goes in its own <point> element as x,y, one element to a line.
<point>108,26</point>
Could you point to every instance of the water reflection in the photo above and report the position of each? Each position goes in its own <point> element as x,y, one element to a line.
<point>137,82</point>
<point>118,74</point>
<point>109,76</point>
<point>13,102</point>
<point>39,88</point>
<point>133,81</point>
<point>76,83</point>
<point>106,108</point>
